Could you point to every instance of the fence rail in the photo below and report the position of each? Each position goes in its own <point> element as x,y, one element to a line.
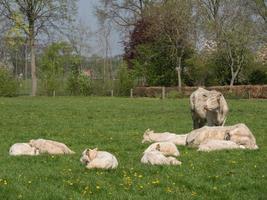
<point>240,91</point>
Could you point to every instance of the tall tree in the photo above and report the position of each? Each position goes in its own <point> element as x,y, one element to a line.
<point>230,24</point>
<point>175,23</point>
<point>35,16</point>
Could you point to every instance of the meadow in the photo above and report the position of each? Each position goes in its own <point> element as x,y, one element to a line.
<point>117,125</point>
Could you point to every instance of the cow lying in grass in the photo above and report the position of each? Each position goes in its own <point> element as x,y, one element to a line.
<point>39,146</point>
<point>212,145</point>
<point>156,157</point>
<point>50,147</point>
<point>98,159</point>
<point>239,134</point>
<point>166,148</point>
<point>151,136</point>
<point>23,149</point>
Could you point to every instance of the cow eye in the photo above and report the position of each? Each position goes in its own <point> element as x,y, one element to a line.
<point>204,95</point>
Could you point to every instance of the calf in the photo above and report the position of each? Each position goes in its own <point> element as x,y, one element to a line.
<point>166,148</point>
<point>155,157</point>
<point>212,145</point>
<point>50,147</point>
<point>150,136</point>
<point>23,149</point>
<point>98,159</point>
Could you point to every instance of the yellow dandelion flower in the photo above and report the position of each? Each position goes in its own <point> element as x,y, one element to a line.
<point>98,187</point>
<point>168,189</point>
<point>140,176</point>
<point>193,193</point>
<point>29,182</point>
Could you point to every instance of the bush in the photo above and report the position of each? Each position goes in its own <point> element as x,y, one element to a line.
<point>8,85</point>
<point>85,85</point>
<point>174,95</point>
<point>258,77</point>
<point>124,82</point>
<point>79,85</point>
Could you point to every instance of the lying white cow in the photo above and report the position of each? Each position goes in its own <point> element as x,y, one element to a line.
<point>98,159</point>
<point>50,147</point>
<point>212,145</point>
<point>239,134</point>
<point>166,148</point>
<point>155,157</point>
<point>23,149</point>
<point>151,136</point>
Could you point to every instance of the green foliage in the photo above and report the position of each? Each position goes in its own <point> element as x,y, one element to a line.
<point>200,70</point>
<point>155,64</point>
<point>258,76</point>
<point>53,63</point>
<point>117,125</point>
<point>174,95</point>
<point>8,85</point>
<point>85,85</point>
<point>124,81</point>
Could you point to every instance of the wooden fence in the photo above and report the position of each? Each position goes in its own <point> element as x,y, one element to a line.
<point>240,91</point>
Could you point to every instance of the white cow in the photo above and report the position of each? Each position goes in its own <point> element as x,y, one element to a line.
<point>23,149</point>
<point>151,136</point>
<point>166,148</point>
<point>98,159</point>
<point>239,134</point>
<point>50,147</point>
<point>155,157</point>
<point>212,145</point>
<point>208,107</point>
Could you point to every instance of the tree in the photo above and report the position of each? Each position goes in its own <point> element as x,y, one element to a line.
<point>33,17</point>
<point>231,23</point>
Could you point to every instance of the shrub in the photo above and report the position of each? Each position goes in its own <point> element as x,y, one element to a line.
<point>258,77</point>
<point>85,85</point>
<point>174,95</point>
<point>124,82</point>
<point>8,85</point>
<point>79,85</point>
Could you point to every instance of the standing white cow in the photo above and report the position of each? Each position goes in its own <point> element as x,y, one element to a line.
<point>208,107</point>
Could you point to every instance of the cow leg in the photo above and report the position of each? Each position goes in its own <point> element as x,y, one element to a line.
<point>202,123</point>
<point>195,121</point>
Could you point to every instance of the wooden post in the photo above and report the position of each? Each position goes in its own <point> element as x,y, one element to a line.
<point>131,93</point>
<point>112,93</point>
<point>163,93</point>
<point>54,93</point>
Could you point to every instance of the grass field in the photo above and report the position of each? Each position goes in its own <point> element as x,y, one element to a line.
<point>117,125</point>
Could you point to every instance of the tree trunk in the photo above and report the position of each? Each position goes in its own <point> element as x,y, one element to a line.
<point>33,65</point>
<point>179,74</point>
<point>26,61</point>
<point>234,75</point>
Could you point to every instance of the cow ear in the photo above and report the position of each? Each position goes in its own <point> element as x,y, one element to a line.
<point>158,147</point>
<point>87,152</point>
<point>147,132</point>
<point>227,136</point>
<point>92,154</point>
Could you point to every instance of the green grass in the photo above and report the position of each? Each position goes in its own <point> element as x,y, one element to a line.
<point>117,125</point>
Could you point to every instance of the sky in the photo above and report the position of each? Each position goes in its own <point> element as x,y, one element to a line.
<point>86,15</point>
